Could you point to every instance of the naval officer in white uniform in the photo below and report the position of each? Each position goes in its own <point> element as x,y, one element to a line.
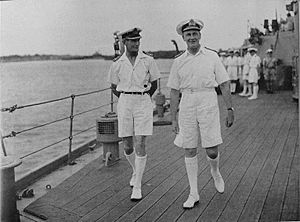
<point>133,77</point>
<point>195,73</point>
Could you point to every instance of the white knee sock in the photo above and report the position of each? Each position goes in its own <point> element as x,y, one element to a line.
<point>131,160</point>
<point>191,165</point>
<point>214,169</point>
<point>140,163</point>
<point>214,164</point>
<point>233,87</point>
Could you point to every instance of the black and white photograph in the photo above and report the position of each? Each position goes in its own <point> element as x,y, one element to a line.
<point>149,110</point>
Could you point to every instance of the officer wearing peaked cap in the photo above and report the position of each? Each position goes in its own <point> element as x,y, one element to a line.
<point>195,74</point>
<point>133,78</point>
<point>191,24</point>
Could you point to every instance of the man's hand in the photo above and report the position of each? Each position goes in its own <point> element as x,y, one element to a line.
<point>229,118</point>
<point>175,127</point>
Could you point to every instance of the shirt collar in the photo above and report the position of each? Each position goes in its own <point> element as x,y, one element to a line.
<point>202,50</point>
<point>139,55</point>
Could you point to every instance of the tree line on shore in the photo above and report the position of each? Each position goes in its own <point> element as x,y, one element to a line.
<point>40,57</point>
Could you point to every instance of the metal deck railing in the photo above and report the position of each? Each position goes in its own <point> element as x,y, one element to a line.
<point>72,97</point>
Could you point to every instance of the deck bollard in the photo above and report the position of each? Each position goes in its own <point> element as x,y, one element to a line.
<point>160,100</point>
<point>9,212</point>
<point>107,134</point>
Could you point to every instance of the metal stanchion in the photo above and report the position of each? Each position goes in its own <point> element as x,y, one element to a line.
<point>9,212</point>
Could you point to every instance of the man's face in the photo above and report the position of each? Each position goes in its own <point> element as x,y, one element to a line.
<point>132,45</point>
<point>192,38</point>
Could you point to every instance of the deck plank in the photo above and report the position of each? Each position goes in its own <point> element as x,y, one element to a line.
<point>259,163</point>
<point>291,209</point>
<point>254,205</point>
<point>275,199</point>
<point>240,142</point>
<point>256,152</point>
<point>238,199</point>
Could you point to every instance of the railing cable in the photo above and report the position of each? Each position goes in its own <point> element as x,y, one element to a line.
<point>98,107</point>
<point>84,94</point>
<point>44,148</point>
<point>15,107</point>
<point>13,133</point>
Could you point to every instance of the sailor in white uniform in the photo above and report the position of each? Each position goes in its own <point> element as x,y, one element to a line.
<point>232,67</point>
<point>247,90</point>
<point>195,73</point>
<point>254,71</point>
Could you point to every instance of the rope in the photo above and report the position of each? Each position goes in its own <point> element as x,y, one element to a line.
<point>26,217</point>
<point>44,148</point>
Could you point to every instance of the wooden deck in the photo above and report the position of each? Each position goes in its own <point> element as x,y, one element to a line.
<point>260,163</point>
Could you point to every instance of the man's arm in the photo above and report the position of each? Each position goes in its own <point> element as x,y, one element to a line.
<point>153,88</point>
<point>174,103</point>
<point>114,90</point>
<point>225,88</point>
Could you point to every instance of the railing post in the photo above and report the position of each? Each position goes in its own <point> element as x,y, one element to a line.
<point>111,101</point>
<point>2,145</point>
<point>71,130</point>
<point>159,85</point>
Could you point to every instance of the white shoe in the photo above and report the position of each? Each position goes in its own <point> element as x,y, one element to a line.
<point>191,201</point>
<point>248,94</point>
<point>136,193</point>
<point>252,97</point>
<point>132,180</point>
<point>219,182</point>
<point>242,94</point>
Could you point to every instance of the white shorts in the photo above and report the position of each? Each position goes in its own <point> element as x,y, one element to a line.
<point>253,75</point>
<point>199,112</point>
<point>232,72</point>
<point>245,72</point>
<point>135,115</point>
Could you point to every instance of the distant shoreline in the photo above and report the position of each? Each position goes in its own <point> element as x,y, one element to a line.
<point>38,57</point>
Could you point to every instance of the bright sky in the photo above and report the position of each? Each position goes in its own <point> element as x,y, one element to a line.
<point>83,27</point>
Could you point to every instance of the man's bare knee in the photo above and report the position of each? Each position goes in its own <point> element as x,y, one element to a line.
<point>128,145</point>
<point>212,152</point>
<point>190,152</point>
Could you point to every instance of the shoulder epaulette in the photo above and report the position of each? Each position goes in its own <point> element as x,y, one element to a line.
<point>211,49</point>
<point>179,54</point>
<point>117,58</point>
<point>147,53</point>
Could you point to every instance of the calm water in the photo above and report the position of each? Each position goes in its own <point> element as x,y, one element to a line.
<point>24,83</point>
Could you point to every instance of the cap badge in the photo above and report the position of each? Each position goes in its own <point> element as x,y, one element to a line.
<point>192,22</point>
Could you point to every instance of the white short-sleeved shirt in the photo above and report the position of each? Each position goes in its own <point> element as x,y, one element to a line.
<point>195,72</point>
<point>240,61</point>
<point>232,61</point>
<point>246,59</point>
<point>254,61</point>
<point>130,78</point>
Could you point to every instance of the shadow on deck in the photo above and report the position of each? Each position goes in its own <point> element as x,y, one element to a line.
<point>259,163</point>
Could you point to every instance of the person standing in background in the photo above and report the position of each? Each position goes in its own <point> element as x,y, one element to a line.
<point>247,90</point>
<point>269,70</point>
<point>254,72</point>
<point>232,66</point>
<point>239,81</point>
